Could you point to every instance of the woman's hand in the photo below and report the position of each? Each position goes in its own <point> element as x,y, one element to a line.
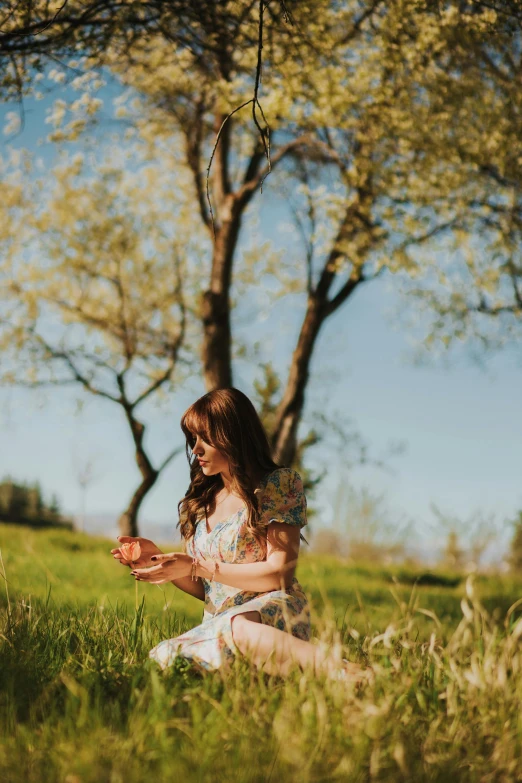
<point>148,549</point>
<point>171,566</point>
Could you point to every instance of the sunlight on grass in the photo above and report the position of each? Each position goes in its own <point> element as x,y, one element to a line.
<point>80,700</point>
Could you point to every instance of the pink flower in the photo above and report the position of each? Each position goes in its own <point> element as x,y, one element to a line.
<point>131,551</point>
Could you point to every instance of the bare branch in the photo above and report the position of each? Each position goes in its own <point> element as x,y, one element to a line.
<point>515,275</point>
<point>438,229</point>
<point>45,27</point>
<point>212,158</point>
<point>176,344</point>
<point>66,358</point>
<point>248,188</point>
<point>263,132</point>
<point>253,164</point>
<point>193,145</point>
<point>170,457</point>
<point>484,307</point>
<point>307,238</point>
<point>356,27</point>
<point>255,101</point>
<point>348,288</point>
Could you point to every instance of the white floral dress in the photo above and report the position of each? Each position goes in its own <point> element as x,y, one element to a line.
<point>210,645</point>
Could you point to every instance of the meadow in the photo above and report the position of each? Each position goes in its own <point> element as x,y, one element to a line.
<point>80,702</point>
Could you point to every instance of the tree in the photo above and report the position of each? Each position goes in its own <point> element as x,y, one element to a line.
<point>364,528</point>
<point>467,540</point>
<point>349,120</point>
<point>36,29</point>
<point>107,309</point>
<point>453,555</point>
<point>353,139</point>
<point>24,504</point>
<point>33,32</point>
<point>471,291</point>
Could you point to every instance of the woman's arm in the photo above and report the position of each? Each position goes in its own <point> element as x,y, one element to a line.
<point>148,549</point>
<point>274,573</point>
<point>186,584</point>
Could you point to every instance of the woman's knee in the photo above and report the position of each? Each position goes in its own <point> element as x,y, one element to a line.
<point>242,627</point>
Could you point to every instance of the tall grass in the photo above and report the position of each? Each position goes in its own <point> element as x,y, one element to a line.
<point>80,700</point>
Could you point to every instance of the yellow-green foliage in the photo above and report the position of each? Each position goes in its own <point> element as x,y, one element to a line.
<point>80,701</point>
<point>414,97</point>
<point>78,570</point>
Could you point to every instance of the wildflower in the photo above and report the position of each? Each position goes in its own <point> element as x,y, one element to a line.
<point>131,551</point>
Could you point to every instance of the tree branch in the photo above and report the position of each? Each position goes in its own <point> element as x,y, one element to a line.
<point>193,145</point>
<point>176,344</point>
<point>248,188</point>
<point>170,458</point>
<point>483,307</point>
<point>347,290</point>
<point>417,240</point>
<point>47,25</point>
<point>77,375</point>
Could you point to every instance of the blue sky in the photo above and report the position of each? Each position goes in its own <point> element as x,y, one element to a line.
<point>461,424</point>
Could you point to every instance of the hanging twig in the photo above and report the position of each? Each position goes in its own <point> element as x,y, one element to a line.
<point>255,101</point>
<point>264,132</point>
<point>212,158</point>
<point>45,27</point>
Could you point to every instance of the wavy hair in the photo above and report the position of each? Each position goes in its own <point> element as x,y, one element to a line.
<point>226,420</point>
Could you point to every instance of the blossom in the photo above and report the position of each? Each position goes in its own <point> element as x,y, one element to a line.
<point>131,551</point>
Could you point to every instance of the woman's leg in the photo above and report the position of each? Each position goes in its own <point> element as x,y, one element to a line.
<point>276,651</point>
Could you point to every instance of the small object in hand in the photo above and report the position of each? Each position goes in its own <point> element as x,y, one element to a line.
<point>193,575</point>
<point>131,551</point>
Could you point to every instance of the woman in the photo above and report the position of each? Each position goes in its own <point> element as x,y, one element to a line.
<point>240,520</point>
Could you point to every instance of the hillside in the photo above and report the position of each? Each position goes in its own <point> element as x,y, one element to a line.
<point>72,568</point>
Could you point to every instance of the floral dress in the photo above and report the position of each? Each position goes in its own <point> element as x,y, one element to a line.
<point>210,645</point>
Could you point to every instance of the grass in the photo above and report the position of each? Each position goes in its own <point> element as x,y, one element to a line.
<point>80,701</point>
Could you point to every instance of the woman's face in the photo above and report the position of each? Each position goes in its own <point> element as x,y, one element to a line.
<point>211,460</point>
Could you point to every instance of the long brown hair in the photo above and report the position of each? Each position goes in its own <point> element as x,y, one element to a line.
<point>226,420</point>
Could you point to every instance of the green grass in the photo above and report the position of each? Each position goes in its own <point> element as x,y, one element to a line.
<point>80,701</point>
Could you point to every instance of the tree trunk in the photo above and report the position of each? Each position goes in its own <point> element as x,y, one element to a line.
<point>216,350</point>
<point>290,409</point>
<point>128,521</point>
<point>356,221</point>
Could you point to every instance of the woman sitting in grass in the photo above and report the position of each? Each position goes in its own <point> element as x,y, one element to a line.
<point>240,520</point>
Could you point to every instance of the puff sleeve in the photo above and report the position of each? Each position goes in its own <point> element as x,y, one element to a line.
<point>283,498</point>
